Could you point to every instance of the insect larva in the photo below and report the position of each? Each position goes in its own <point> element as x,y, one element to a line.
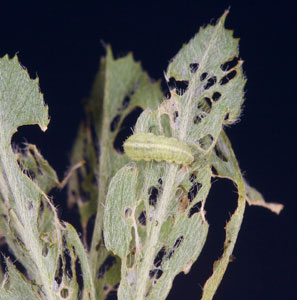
<point>147,146</point>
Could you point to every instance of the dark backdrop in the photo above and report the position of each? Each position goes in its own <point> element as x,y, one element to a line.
<point>60,43</point>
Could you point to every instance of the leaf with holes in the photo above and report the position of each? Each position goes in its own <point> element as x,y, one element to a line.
<point>121,90</point>
<point>28,218</point>
<point>206,84</point>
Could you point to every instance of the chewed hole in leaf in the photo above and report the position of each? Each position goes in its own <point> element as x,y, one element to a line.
<point>159,257</point>
<point>90,229</point>
<point>192,177</point>
<point>219,153</point>
<point>68,264</point>
<point>170,253</point>
<point>64,293</point>
<point>155,273</point>
<point>126,101</point>
<point>180,86</point>
<point>197,120</point>
<point>194,67</point>
<point>206,141</point>
<point>178,242</point>
<point>214,171</point>
<point>194,191</point>
<point>27,172</point>
<point>216,96</point>
<point>205,105</point>
<point>142,218</point>
<point>227,115</point>
<point>79,275</point>
<point>194,209</point>
<point>126,129</point>
<point>228,77</point>
<point>107,264</point>
<point>114,123</point>
<point>59,271</point>
<point>160,181</point>
<point>175,115</point>
<point>153,195</point>
<point>228,65</point>
<point>128,212</point>
<point>210,82</point>
<point>203,76</point>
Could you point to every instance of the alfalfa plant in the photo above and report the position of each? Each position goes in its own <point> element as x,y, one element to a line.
<point>150,220</point>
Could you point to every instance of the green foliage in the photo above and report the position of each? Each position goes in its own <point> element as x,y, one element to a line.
<point>150,212</point>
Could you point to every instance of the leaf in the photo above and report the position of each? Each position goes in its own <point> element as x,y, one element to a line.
<point>171,198</point>
<point>22,104</point>
<point>120,88</point>
<point>17,287</point>
<point>210,99</point>
<point>253,197</point>
<point>83,186</point>
<point>77,251</point>
<point>225,163</point>
<point>28,218</point>
<point>37,168</point>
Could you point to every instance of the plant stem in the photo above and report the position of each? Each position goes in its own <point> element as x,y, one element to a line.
<point>154,234</point>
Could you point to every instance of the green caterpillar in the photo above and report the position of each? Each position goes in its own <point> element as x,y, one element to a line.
<point>147,146</point>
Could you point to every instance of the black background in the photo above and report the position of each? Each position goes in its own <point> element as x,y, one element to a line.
<point>61,43</point>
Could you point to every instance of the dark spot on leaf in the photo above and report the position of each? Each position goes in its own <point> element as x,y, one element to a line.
<point>210,82</point>
<point>128,212</point>
<point>79,275</point>
<point>171,83</point>
<point>228,65</point>
<point>126,102</point>
<point>175,115</point>
<point>195,209</point>
<point>114,123</point>
<point>197,119</point>
<point>64,293</point>
<point>90,229</point>
<point>219,153</point>
<point>180,86</point>
<point>205,105</point>
<point>159,257</point>
<point>228,77</point>
<point>68,263</point>
<point>153,196</point>
<point>195,188</point>
<point>192,177</point>
<point>226,116</point>
<point>142,218</point>
<point>107,264</point>
<point>126,129</point>
<point>214,171</point>
<point>112,295</point>
<point>155,273</point>
<point>194,67</point>
<point>206,141</point>
<point>216,96</point>
<point>59,271</point>
<point>203,76</point>
<point>208,101</point>
<point>170,253</point>
<point>160,181</point>
<point>178,242</point>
